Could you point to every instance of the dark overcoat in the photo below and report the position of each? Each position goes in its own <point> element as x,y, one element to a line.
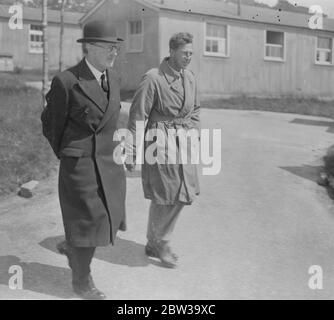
<point>166,104</point>
<point>79,122</point>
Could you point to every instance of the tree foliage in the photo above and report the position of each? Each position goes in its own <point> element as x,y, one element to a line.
<point>71,5</point>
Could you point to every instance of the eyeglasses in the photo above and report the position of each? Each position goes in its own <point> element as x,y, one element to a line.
<point>110,48</point>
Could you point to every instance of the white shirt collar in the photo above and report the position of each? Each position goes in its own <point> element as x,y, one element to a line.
<point>97,74</point>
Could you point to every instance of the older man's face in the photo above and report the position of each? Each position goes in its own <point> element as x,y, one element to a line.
<point>182,56</point>
<point>102,55</point>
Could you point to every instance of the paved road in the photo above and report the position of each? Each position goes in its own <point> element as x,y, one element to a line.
<point>253,233</point>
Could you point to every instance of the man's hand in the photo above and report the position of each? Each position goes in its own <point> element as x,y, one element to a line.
<point>130,166</point>
<point>129,163</point>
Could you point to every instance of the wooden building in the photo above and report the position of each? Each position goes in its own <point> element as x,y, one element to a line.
<point>22,48</point>
<point>259,52</point>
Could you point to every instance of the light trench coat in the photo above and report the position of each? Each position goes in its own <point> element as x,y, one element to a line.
<point>168,108</point>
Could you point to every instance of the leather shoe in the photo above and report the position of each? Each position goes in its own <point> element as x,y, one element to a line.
<point>167,257</point>
<point>88,291</point>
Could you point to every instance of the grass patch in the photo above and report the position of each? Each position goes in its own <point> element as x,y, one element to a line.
<point>24,152</point>
<point>312,107</point>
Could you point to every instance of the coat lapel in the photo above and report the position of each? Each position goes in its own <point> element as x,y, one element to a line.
<point>113,98</point>
<point>188,85</point>
<point>91,87</point>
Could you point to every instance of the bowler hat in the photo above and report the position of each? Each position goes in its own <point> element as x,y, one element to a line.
<point>99,31</point>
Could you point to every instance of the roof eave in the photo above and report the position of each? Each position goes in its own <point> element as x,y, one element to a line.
<point>101,3</point>
<point>243,19</point>
<point>91,11</point>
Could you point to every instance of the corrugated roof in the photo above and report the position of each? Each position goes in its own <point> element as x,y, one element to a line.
<point>36,15</point>
<point>249,13</point>
<point>230,10</point>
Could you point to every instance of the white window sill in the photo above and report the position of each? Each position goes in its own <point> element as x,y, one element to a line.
<point>272,59</point>
<point>36,52</point>
<point>216,55</point>
<point>325,64</point>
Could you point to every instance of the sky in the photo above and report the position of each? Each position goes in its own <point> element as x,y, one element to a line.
<point>327,5</point>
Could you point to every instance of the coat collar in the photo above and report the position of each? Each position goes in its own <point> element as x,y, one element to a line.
<point>97,73</point>
<point>91,87</point>
<point>114,89</point>
<point>170,74</point>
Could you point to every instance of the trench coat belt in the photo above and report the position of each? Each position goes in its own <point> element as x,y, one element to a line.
<point>171,121</point>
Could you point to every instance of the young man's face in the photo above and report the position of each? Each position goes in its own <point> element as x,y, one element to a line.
<point>102,55</point>
<point>182,56</point>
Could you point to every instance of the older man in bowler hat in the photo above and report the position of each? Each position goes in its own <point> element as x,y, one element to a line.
<point>79,121</point>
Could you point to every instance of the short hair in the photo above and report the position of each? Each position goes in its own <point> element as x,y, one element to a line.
<point>180,39</point>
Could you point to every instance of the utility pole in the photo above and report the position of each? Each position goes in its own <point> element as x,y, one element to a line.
<point>61,39</point>
<point>45,49</point>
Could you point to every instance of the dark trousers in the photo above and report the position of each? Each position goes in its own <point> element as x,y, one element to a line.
<point>80,265</point>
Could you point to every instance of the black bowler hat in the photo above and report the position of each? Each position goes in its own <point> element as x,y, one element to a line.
<point>99,31</point>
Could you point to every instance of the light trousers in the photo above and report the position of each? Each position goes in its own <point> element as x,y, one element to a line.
<point>161,222</point>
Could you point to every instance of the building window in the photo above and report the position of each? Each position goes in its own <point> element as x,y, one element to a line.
<point>216,40</point>
<point>324,51</point>
<point>135,36</point>
<point>274,46</point>
<point>36,39</point>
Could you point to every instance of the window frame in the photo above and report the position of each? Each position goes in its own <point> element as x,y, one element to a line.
<point>274,59</point>
<point>217,54</point>
<point>128,28</point>
<point>38,33</point>
<point>317,49</point>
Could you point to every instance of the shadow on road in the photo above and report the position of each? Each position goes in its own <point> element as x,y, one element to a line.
<point>38,277</point>
<point>309,122</point>
<point>56,281</point>
<point>310,173</point>
<point>124,252</point>
<point>307,172</point>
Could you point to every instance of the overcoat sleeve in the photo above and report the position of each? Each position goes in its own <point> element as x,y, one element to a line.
<point>54,115</point>
<point>141,107</point>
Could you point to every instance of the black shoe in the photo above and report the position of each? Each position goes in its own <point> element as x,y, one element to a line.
<point>89,291</point>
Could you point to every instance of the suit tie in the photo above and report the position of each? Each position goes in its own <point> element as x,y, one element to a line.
<point>104,83</point>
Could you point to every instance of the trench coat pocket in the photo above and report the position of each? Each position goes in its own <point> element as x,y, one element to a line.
<point>71,152</point>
